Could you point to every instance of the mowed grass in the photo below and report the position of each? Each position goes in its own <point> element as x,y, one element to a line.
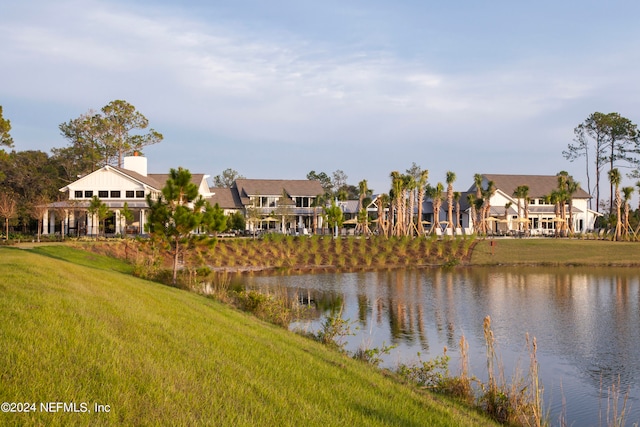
<point>552,251</point>
<point>160,356</point>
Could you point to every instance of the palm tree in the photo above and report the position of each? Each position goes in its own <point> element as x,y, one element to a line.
<point>384,210</point>
<point>318,202</point>
<point>451,177</point>
<point>409,185</point>
<point>572,187</point>
<point>627,192</point>
<point>521,192</point>
<point>477,181</point>
<point>397,200</point>
<point>471,198</point>
<point>436,193</point>
<point>563,197</point>
<point>614,179</point>
<point>362,212</point>
<point>506,212</point>
<point>487,194</point>
<point>421,183</point>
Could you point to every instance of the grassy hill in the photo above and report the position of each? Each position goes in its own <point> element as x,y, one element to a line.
<point>88,333</point>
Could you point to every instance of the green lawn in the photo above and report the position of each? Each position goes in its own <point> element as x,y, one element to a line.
<point>160,356</point>
<point>550,251</point>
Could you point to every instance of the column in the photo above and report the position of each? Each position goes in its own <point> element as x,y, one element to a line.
<point>143,221</point>
<point>45,222</point>
<point>52,222</point>
<point>118,225</point>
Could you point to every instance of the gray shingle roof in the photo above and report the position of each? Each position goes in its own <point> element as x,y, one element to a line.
<point>274,187</point>
<point>226,198</point>
<point>539,185</point>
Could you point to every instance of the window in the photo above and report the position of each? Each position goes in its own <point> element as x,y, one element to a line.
<point>78,194</point>
<point>103,194</point>
<point>140,194</point>
<point>88,193</point>
<point>115,194</point>
<point>129,194</point>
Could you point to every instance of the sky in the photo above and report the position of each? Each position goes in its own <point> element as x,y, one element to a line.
<point>280,88</point>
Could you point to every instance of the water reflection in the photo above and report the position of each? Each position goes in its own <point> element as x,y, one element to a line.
<point>585,321</point>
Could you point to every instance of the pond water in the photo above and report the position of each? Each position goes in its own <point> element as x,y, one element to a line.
<point>586,323</point>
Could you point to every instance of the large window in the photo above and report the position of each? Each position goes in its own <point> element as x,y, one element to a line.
<point>88,193</point>
<point>78,194</point>
<point>103,194</point>
<point>140,194</point>
<point>303,202</point>
<point>129,194</point>
<point>115,194</point>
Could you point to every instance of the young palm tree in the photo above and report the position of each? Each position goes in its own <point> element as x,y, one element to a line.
<point>363,189</point>
<point>506,212</point>
<point>521,192</point>
<point>563,197</point>
<point>382,202</point>
<point>436,193</point>
<point>451,177</point>
<point>572,187</point>
<point>397,200</point>
<point>421,183</point>
<point>410,186</point>
<point>471,198</point>
<point>487,194</point>
<point>614,179</point>
<point>477,181</point>
<point>456,198</point>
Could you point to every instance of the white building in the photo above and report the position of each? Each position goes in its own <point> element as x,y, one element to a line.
<point>542,215</point>
<point>114,186</point>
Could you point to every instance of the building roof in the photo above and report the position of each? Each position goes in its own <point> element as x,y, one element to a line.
<point>226,198</point>
<point>539,185</point>
<point>275,187</point>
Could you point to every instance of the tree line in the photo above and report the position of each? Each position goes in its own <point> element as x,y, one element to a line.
<point>30,179</point>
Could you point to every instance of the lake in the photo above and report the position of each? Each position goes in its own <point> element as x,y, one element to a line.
<point>586,322</point>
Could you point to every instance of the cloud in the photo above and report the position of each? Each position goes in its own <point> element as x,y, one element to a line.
<point>205,79</point>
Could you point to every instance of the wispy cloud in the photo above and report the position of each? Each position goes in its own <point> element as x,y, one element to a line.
<point>259,85</point>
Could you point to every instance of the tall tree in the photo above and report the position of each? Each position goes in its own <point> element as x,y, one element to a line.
<point>120,120</point>
<point>176,214</point>
<point>227,178</point>
<point>5,128</point>
<point>29,175</point>
<point>614,141</point>
<point>324,179</point>
<point>105,138</point>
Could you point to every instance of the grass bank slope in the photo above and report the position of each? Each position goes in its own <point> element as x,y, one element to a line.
<point>89,334</point>
<point>555,252</point>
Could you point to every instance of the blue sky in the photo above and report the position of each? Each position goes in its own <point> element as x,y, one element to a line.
<point>276,89</point>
